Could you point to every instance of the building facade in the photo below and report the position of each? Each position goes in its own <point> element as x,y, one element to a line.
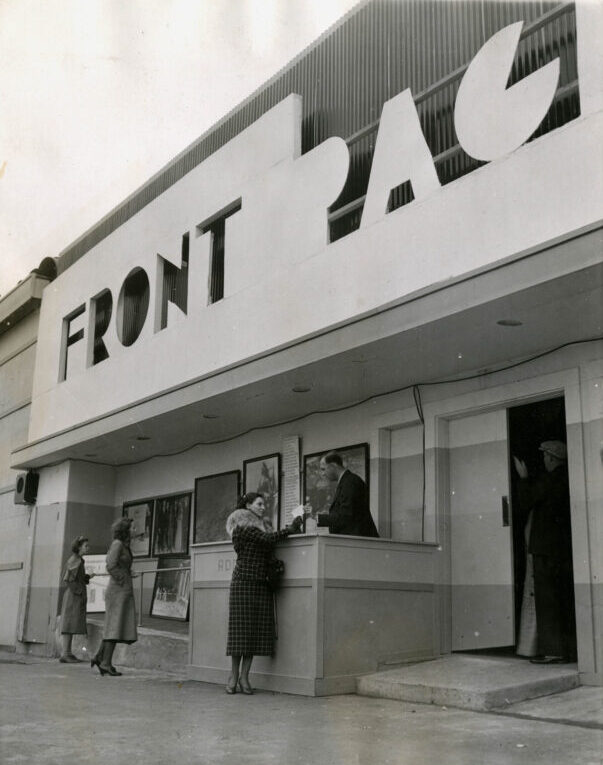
<point>19,318</point>
<point>395,243</point>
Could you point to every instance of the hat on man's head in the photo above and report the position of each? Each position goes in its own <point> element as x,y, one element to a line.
<point>556,449</point>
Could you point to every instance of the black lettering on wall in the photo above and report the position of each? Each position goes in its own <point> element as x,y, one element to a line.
<point>68,339</point>
<point>172,283</point>
<point>132,306</point>
<point>217,227</point>
<point>101,308</point>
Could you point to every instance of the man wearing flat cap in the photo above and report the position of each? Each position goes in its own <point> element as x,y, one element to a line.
<point>550,544</point>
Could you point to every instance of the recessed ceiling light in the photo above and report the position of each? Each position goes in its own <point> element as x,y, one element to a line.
<point>509,323</point>
<point>301,389</point>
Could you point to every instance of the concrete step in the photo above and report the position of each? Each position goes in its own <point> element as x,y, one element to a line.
<point>581,706</point>
<point>155,649</point>
<point>470,682</point>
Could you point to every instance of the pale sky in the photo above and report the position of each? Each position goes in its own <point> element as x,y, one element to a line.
<point>97,95</point>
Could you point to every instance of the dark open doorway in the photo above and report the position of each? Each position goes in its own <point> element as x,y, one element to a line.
<point>528,426</point>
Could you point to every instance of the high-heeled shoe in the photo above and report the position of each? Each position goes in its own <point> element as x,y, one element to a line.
<point>246,689</point>
<point>111,671</point>
<point>96,663</point>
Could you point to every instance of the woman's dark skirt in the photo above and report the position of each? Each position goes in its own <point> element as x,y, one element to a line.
<point>250,619</point>
<point>73,613</point>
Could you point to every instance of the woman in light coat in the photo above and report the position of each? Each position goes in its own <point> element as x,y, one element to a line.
<point>73,612</point>
<point>120,613</point>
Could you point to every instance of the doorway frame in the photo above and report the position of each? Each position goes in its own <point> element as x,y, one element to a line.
<point>438,414</point>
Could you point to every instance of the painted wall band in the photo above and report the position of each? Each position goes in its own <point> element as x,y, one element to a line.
<point>349,584</point>
<point>11,566</point>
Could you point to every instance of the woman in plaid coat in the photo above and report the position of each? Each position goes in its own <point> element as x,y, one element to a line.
<point>251,609</point>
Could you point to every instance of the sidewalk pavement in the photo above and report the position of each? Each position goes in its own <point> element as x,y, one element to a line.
<point>52,713</point>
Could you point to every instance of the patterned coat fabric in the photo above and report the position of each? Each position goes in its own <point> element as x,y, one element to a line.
<point>251,629</point>
<point>73,612</point>
<point>120,613</point>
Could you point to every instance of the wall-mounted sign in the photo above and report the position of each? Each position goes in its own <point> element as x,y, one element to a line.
<point>140,314</point>
<point>490,119</point>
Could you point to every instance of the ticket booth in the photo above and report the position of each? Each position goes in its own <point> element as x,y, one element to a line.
<point>347,606</point>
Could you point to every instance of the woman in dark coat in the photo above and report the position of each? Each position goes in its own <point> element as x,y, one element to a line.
<point>73,612</point>
<point>120,613</point>
<point>251,628</point>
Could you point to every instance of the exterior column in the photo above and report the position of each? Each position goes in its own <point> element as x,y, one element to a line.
<point>73,498</point>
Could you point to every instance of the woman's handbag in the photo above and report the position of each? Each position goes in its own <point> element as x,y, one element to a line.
<point>274,573</point>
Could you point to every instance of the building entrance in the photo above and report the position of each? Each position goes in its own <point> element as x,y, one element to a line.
<point>488,516</point>
<point>544,597</point>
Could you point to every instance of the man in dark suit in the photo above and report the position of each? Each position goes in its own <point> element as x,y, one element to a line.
<point>349,512</point>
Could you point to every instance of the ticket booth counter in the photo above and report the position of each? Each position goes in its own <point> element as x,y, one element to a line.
<point>347,606</point>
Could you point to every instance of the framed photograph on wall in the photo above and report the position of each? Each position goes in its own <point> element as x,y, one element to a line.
<point>263,474</point>
<point>216,497</point>
<point>172,525</point>
<point>96,587</point>
<point>171,591</point>
<point>318,491</point>
<point>141,514</point>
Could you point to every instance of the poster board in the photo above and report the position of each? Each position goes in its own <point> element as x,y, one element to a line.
<point>95,564</point>
<point>215,498</point>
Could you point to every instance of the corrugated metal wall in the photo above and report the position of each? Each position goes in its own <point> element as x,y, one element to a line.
<point>376,52</point>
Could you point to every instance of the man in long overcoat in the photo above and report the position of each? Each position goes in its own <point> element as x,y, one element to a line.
<point>550,544</point>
